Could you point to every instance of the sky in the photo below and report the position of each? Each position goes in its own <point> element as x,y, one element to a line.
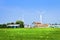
<point>29,11</point>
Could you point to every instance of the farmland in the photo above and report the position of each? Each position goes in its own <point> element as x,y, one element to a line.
<point>30,34</point>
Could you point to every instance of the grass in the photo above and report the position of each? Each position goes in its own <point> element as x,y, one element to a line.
<point>30,34</point>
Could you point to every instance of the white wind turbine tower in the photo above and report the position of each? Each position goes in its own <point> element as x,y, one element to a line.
<point>41,18</point>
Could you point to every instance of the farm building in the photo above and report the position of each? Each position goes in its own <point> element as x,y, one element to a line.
<point>40,25</point>
<point>54,25</point>
<point>13,25</point>
<point>27,26</point>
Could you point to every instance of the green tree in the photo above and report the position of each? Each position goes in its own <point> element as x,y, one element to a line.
<point>4,26</point>
<point>12,22</point>
<point>1,26</point>
<point>8,23</point>
<point>21,23</point>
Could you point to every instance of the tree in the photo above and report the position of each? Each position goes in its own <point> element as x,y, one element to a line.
<point>56,24</point>
<point>10,23</point>
<point>4,26</point>
<point>21,23</point>
<point>1,26</point>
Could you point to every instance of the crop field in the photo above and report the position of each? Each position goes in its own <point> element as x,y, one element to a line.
<point>30,34</point>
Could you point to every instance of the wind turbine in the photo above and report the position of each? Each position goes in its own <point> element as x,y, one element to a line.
<point>41,18</point>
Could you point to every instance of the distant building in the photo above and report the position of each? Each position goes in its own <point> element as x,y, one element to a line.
<point>39,25</point>
<point>54,25</point>
<point>27,26</point>
<point>13,25</point>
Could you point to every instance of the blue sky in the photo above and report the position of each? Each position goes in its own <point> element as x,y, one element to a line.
<point>30,10</point>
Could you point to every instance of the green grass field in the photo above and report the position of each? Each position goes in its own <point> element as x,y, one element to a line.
<point>30,34</point>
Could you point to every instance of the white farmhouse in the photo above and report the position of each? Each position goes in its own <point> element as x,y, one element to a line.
<point>13,25</point>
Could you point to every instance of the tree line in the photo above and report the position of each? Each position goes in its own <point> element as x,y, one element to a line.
<point>20,22</point>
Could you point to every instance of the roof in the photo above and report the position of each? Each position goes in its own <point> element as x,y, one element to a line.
<point>13,25</point>
<point>36,23</point>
